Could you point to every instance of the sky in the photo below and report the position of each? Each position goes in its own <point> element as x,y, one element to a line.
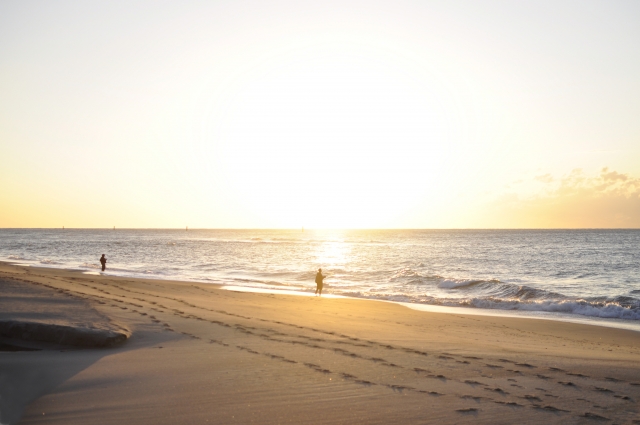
<point>332,114</point>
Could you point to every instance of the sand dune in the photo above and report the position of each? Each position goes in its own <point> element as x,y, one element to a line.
<point>200,354</point>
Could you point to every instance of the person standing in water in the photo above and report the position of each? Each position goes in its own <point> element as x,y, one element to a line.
<point>319,282</point>
<point>103,261</point>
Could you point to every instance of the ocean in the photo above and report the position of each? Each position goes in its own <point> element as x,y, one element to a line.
<point>556,273</point>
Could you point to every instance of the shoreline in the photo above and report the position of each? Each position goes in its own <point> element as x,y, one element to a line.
<point>631,325</point>
<point>198,353</point>
<point>614,323</point>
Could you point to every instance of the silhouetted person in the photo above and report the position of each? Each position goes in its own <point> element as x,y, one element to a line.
<point>103,261</point>
<point>319,279</point>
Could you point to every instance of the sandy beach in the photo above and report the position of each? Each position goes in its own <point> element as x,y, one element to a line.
<point>194,353</point>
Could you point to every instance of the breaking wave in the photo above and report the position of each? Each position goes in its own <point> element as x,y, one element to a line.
<point>608,310</point>
<point>627,308</point>
<point>461,283</point>
<point>49,262</point>
<point>17,257</point>
<point>494,294</point>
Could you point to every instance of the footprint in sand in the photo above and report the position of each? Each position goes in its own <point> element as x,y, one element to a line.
<point>469,382</point>
<point>399,388</point>
<point>497,390</point>
<point>590,415</point>
<point>471,397</point>
<point>508,403</point>
<point>549,408</point>
<point>410,350</point>
<point>441,377</point>
<point>623,397</point>
<point>433,393</point>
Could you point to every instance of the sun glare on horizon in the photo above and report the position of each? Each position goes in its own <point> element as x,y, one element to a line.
<point>333,138</point>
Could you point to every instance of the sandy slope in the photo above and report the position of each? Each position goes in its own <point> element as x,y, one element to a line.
<point>199,354</point>
<point>37,313</point>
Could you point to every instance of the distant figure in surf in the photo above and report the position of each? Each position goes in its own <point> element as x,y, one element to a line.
<point>319,279</point>
<point>103,261</point>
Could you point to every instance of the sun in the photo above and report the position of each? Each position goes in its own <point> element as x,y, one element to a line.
<point>333,143</point>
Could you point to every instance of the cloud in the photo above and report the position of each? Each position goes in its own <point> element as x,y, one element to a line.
<point>547,178</point>
<point>576,200</point>
<point>613,175</point>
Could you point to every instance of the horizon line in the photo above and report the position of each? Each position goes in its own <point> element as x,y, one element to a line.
<point>320,228</point>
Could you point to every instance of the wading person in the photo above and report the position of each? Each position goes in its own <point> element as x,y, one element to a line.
<point>103,261</point>
<point>319,279</point>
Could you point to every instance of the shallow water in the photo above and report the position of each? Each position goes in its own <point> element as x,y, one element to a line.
<point>591,273</point>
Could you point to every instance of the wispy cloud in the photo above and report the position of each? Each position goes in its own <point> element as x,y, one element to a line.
<point>547,178</point>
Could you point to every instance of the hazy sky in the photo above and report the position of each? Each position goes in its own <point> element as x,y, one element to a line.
<point>257,114</point>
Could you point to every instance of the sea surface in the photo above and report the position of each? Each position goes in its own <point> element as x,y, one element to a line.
<point>574,273</point>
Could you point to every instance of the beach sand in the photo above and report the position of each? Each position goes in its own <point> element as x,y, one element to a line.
<point>198,354</point>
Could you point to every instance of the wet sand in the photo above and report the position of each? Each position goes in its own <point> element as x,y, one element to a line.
<point>200,354</point>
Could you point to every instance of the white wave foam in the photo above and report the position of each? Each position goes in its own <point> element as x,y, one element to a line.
<point>47,261</point>
<point>581,307</point>
<point>601,310</point>
<point>456,283</point>
<point>17,257</point>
